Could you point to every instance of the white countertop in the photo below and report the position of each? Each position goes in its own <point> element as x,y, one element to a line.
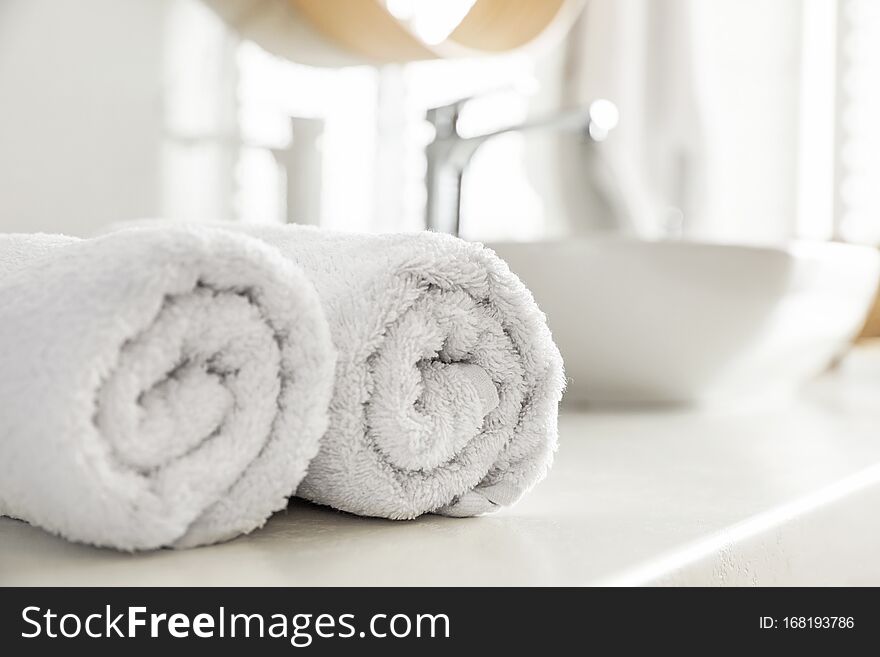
<point>783,493</point>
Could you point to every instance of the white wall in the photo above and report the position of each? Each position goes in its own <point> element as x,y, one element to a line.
<point>709,115</point>
<point>80,113</point>
<point>748,61</point>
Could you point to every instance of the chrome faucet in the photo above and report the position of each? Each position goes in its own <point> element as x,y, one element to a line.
<point>450,153</point>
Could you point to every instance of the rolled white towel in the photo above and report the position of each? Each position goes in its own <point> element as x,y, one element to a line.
<point>158,387</point>
<point>447,383</point>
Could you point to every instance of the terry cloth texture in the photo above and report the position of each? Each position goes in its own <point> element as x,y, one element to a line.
<point>158,387</point>
<point>447,383</point>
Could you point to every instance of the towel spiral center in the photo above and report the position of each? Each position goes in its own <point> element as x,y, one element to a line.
<point>444,375</point>
<point>207,350</point>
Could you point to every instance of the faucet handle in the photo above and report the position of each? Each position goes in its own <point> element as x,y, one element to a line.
<point>444,118</point>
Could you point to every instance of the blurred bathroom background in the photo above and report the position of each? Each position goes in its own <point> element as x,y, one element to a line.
<point>739,120</point>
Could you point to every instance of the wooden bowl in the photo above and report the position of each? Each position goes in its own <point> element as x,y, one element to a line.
<point>350,32</point>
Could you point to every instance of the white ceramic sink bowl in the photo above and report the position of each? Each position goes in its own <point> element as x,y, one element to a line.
<point>686,322</point>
